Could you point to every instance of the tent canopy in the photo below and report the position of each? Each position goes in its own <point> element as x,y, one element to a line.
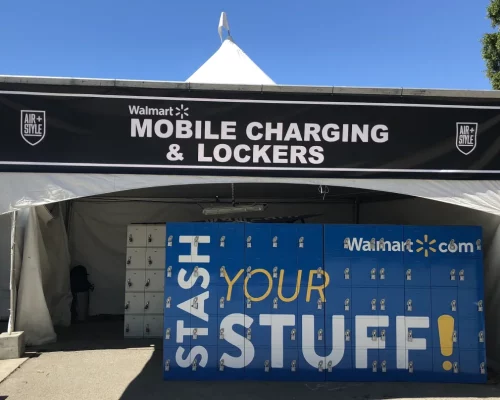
<point>230,65</point>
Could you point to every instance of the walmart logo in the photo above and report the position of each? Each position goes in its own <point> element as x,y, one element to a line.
<point>426,246</point>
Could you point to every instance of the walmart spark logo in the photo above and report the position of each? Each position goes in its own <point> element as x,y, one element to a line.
<point>426,245</point>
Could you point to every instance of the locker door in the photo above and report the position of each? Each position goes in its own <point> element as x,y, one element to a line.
<point>424,242</point>
<point>174,244</point>
<point>176,332</point>
<point>446,367</point>
<point>339,270</point>
<point>390,305</point>
<point>231,241</point>
<point>284,367</point>
<point>155,258</point>
<point>231,362</point>
<point>205,242</point>
<point>204,364</point>
<point>471,334</point>
<point>366,345</point>
<point>285,299</point>
<point>230,301</point>
<point>173,371</point>
<point>388,246</point>
<point>444,273</point>
<point>470,273</point>
<point>364,272</point>
<point>312,360</point>
<point>338,349</point>
<point>177,300</point>
<point>154,281</point>
<point>364,301</point>
<point>445,322</point>
<point>136,236</point>
<point>153,303</point>
<point>417,274</point>
<point>284,243</point>
<point>473,366</point>
<point>444,302</point>
<point>309,241</point>
<point>471,304</point>
<point>156,235</point>
<point>134,280</point>
<point>418,317</point>
<point>390,273</point>
<point>338,301</point>
<point>258,240</point>
<point>133,326</point>
<point>136,258</point>
<point>258,362</point>
<point>134,303</point>
<point>420,367</point>
<point>255,333</point>
<point>349,240</point>
<point>388,360</point>
<point>153,326</point>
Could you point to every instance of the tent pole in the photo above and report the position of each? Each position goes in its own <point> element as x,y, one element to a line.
<point>13,289</point>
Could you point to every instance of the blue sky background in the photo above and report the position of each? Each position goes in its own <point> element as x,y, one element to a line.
<point>385,43</point>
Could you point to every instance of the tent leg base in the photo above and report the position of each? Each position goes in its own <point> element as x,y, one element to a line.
<point>11,345</point>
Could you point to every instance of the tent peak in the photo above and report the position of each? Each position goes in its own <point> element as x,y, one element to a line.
<point>223,23</point>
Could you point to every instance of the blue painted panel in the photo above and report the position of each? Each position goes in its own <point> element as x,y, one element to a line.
<point>469,300</point>
<point>286,271</point>
<point>338,301</point>
<point>418,328</point>
<point>392,299</point>
<point>417,274</point>
<point>174,371</point>
<point>234,363</point>
<point>390,273</point>
<point>207,332</point>
<point>261,301</point>
<point>472,363</point>
<point>364,272</point>
<point>176,296</point>
<point>466,238</point>
<point>443,365</point>
<point>339,270</point>
<point>470,334</point>
<point>231,331</point>
<point>257,334</point>
<point>425,241</point>
<point>362,300</point>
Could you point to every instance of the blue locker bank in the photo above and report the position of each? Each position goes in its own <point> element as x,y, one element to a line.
<point>323,303</point>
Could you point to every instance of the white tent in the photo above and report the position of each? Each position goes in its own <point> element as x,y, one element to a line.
<point>96,228</point>
<point>229,65</point>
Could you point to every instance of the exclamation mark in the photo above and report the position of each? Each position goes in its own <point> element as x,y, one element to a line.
<point>445,326</point>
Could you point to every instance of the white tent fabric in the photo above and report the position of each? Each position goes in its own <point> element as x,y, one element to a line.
<point>21,190</point>
<point>230,64</point>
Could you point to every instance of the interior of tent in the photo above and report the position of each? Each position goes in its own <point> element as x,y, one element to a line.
<point>92,231</point>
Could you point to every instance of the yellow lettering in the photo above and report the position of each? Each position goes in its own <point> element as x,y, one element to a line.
<point>231,283</point>
<point>319,288</point>
<point>297,287</point>
<point>270,286</point>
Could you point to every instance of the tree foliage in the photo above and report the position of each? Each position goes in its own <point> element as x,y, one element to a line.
<point>491,45</point>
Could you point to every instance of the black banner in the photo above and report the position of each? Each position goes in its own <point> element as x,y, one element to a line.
<point>219,133</point>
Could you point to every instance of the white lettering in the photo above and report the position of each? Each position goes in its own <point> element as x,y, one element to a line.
<point>138,130</point>
<point>158,128</point>
<point>226,129</point>
<point>298,153</point>
<point>278,131</point>
<point>217,153</point>
<point>331,133</point>
<point>241,342</point>
<point>195,351</point>
<point>317,156</point>
<point>181,331</point>
<point>403,324</point>
<point>311,131</point>
<point>199,310</point>
<point>363,342</point>
<point>183,129</point>
<point>277,322</point>
<point>237,153</point>
<point>280,154</point>
<point>380,133</point>
<point>250,128</point>
<point>201,154</point>
<point>194,257</point>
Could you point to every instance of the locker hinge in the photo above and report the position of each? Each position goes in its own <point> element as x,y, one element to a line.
<point>374,335</point>
<point>410,367</point>
<point>167,365</point>
<point>381,243</point>
<point>167,302</point>
<point>266,366</point>
<point>301,242</point>
<point>195,272</point>
<point>382,335</point>
<point>195,303</point>
<point>374,305</point>
<point>382,273</point>
<point>452,246</point>
<point>249,242</point>
<point>373,273</point>
<point>150,238</point>
<point>320,304</point>
<point>409,305</point>
<point>221,334</point>
<point>129,260</point>
<point>384,366</point>
<point>348,335</point>
<point>382,304</point>
<point>249,303</point>
<point>320,366</point>
<point>221,302</point>
<point>249,270</point>
<point>461,275</point>
<point>275,303</point>
<point>275,241</point>
<point>410,335</point>
<point>150,260</point>
<point>482,369</point>
<point>146,306</point>
<point>454,305</point>
<point>481,337</point>
<point>195,364</point>
<point>374,366</point>
<point>320,334</point>
<point>346,273</point>
<point>346,243</point>
<point>221,365</point>
<point>249,334</point>
<point>222,270</point>
<point>452,275</point>
<point>478,244</point>
<point>130,238</point>
<point>127,305</point>
<point>372,244</point>
<point>455,368</point>
<point>346,304</point>
<point>169,241</point>
<point>195,334</point>
<point>480,306</point>
<point>329,366</point>
<point>169,271</point>
<point>294,366</point>
<point>408,274</point>
<point>275,272</point>
<point>292,334</point>
<point>222,241</point>
<point>319,272</point>
<point>167,334</point>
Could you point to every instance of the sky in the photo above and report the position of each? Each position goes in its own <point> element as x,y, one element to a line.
<point>369,43</point>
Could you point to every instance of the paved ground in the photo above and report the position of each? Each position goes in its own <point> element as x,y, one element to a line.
<point>7,367</point>
<point>111,369</point>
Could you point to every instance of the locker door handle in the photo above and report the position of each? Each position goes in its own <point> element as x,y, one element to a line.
<point>150,238</point>
<point>148,282</point>
<point>127,329</point>
<point>127,305</point>
<point>130,238</point>
<point>147,328</point>
<point>146,306</point>
<point>129,260</point>
<point>222,241</point>
<point>150,260</point>
<point>129,282</point>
